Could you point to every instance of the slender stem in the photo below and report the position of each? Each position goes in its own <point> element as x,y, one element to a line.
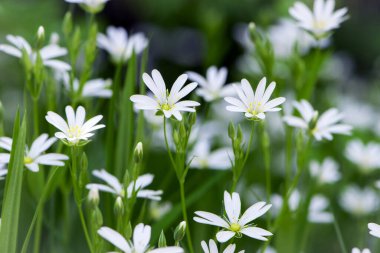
<point>168,148</point>
<point>184,213</point>
<point>239,165</point>
<point>339,235</point>
<point>74,170</point>
<point>288,161</point>
<point>35,117</point>
<point>37,236</point>
<point>266,152</point>
<point>111,116</point>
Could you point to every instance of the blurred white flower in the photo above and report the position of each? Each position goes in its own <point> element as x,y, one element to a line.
<point>212,248</point>
<point>365,156</point>
<point>140,243</point>
<point>359,202</point>
<point>115,187</point>
<point>164,101</point>
<point>34,156</point>
<point>254,105</point>
<point>296,40</point>
<point>92,88</point>
<point>357,250</point>
<point>320,127</point>
<point>325,172</point>
<point>374,229</point>
<point>159,209</point>
<point>93,195</point>
<point>202,157</point>
<point>48,53</point>
<point>317,209</point>
<point>212,86</point>
<point>75,131</point>
<point>357,113</point>
<point>120,47</point>
<point>234,224</point>
<point>268,249</point>
<point>92,6</point>
<point>322,20</point>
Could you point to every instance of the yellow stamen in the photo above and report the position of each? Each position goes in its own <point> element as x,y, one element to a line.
<point>235,227</point>
<point>28,160</point>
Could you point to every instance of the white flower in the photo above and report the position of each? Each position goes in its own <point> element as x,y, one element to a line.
<point>92,6</point>
<point>34,156</point>
<point>140,242</point>
<point>234,224</point>
<point>325,172</point>
<point>254,105</point>
<point>213,85</point>
<point>316,211</point>
<point>359,202</point>
<point>159,209</point>
<point>202,157</point>
<point>115,187</point>
<point>212,248</point>
<point>75,131</point>
<point>357,250</point>
<point>120,47</point>
<point>165,101</point>
<point>322,20</point>
<point>48,53</point>
<point>320,127</point>
<point>93,194</point>
<point>365,156</point>
<point>92,88</point>
<point>296,39</point>
<point>374,229</point>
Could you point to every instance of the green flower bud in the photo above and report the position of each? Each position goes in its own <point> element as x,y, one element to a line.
<point>93,197</point>
<point>239,136</point>
<point>138,153</point>
<point>67,25</point>
<point>97,217</point>
<point>162,240</point>
<point>176,137</point>
<point>182,131</point>
<point>119,207</point>
<point>179,232</point>
<point>128,231</point>
<point>192,118</point>
<point>231,130</point>
<point>40,36</point>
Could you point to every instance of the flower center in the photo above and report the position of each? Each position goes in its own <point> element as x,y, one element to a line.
<point>74,132</point>
<point>320,24</point>
<point>235,227</point>
<point>166,107</point>
<point>28,160</point>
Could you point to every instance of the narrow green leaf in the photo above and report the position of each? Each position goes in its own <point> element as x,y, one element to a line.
<point>12,198</point>
<point>126,123</point>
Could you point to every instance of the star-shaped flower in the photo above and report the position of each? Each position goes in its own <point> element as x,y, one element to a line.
<point>322,20</point>
<point>254,105</point>
<point>234,224</point>
<point>164,101</point>
<point>34,156</point>
<point>74,132</point>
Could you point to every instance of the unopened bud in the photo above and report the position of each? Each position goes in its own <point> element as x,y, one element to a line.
<point>41,33</point>
<point>192,118</point>
<point>97,217</point>
<point>180,231</point>
<point>67,25</point>
<point>162,240</point>
<point>138,154</point>
<point>182,131</point>
<point>128,231</point>
<point>54,38</point>
<point>93,197</point>
<point>231,130</point>
<point>176,137</point>
<point>119,207</point>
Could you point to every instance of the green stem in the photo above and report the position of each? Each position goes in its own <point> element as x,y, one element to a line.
<point>35,117</point>
<point>74,178</point>
<point>289,152</point>
<point>38,232</point>
<point>112,117</point>
<point>168,148</point>
<point>184,213</point>
<point>266,152</point>
<point>339,235</point>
